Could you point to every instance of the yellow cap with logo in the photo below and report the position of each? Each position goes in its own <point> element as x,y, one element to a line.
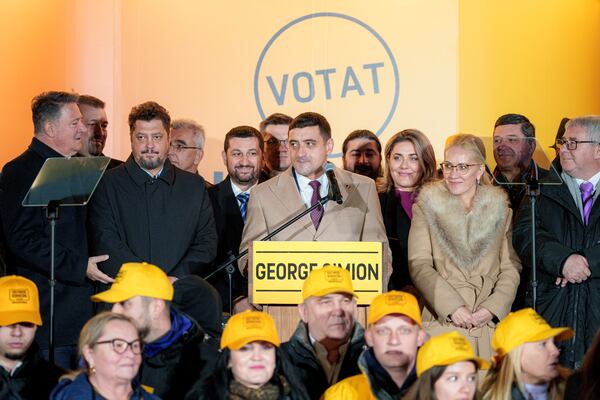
<point>137,279</point>
<point>247,327</point>
<point>394,302</point>
<point>445,349</point>
<point>524,326</point>
<point>19,301</point>
<point>327,280</point>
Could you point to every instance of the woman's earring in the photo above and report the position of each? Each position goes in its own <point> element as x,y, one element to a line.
<point>92,370</point>
<point>478,181</point>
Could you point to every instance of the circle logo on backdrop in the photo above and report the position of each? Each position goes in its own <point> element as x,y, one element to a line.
<point>333,64</point>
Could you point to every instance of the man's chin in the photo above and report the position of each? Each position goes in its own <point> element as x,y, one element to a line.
<point>15,355</point>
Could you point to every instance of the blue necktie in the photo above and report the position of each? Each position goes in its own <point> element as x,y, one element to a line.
<point>243,199</point>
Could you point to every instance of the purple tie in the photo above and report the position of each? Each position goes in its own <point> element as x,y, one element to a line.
<point>587,197</point>
<point>317,213</point>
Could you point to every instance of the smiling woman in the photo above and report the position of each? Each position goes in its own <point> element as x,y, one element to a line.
<point>460,255</point>
<point>250,365</point>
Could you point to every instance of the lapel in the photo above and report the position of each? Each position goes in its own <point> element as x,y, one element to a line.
<point>230,206</point>
<point>347,189</point>
<point>562,195</point>
<point>286,191</point>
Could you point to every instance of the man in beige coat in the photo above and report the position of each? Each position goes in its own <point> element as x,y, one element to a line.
<point>279,199</point>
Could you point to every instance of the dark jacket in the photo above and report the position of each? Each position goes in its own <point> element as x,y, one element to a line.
<point>217,385</point>
<point>560,233</point>
<point>301,354</point>
<point>173,371</point>
<point>373,383</point>
<point>27,234</point>
<point>397,226</point>
<point>33,379</point>
<point>166,221</point>
<point>81,389</point>
<point>230,225</point>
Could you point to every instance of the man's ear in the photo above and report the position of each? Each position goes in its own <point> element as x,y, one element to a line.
<point>302,312</point>
<point>422,338</point>
<point>369,337</point>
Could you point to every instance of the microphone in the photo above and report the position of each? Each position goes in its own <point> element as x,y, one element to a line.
<point>334,189</point>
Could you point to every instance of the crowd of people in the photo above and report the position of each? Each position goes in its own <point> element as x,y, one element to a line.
<point>143,309</point>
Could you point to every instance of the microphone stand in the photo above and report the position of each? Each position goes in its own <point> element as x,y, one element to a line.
<point>228,265</point>
<point>52,217</point>
<point>533,190</point>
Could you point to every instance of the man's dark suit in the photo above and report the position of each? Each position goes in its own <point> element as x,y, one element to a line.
<point>27,234</point>
<point>230,225</point>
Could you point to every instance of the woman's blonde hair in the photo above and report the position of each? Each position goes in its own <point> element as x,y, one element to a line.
<point>506,373</point>
<point>472,144</point>
<point>424,151</point>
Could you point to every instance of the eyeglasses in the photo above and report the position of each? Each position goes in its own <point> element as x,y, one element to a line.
<point>461,168</point>
<point>571,144</point>
<point>276,142</point>
<point>120,345</point>
<point>177,147</point>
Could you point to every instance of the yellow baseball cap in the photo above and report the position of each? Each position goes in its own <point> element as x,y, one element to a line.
<point>394,302</point>
<point>249,326</point>
<point>137,279</point>
<point>19,301</point>
<point>326,280</point>
<point>524,326</point>
<point>445,349</point>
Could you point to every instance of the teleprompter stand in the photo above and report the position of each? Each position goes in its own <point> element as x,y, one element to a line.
<point>62,182</point>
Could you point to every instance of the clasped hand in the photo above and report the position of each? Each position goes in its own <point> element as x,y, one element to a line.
<point>465,319</point>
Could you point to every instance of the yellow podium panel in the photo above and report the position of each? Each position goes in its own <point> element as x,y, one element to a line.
<point>278,269</point>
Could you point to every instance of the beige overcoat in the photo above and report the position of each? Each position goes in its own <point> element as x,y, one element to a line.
<point>461,258</point>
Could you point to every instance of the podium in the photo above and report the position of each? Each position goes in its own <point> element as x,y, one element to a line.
<point>277,271</point>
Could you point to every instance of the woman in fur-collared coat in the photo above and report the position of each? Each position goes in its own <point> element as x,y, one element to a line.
<point>460,251</point>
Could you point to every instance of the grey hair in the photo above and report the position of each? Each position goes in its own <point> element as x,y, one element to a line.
<point>591,124</point>
<point>196,128</point>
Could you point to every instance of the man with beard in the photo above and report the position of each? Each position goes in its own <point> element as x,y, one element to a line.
<point>362,153</point>
<point>96,123</point>
<point>328,341</point>
<point>275,135</point>
<point>23,373</point>
<point>176,351</point>
<point>242,155</point>
<point>148,210</point>
<point>514,144</point>
<point>187,144</point>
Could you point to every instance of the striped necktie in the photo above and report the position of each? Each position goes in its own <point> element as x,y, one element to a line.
<point>587,198</point>
<point>243,199</point>
<point>317,213</point>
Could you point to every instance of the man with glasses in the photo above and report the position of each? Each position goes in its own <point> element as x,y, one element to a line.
<point>96,123</point>
<point>187,144</point>
<point>275,135</point>
<point>23,372</point>
<point>514,144</point>
<point>148,210</point>
<point>176,353</point>
<point>568,233</point>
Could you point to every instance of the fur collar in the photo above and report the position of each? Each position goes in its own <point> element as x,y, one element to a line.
<point>464,237</point>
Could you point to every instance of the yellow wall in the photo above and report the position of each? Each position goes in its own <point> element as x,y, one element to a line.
<point>540,58</point>
<point>535,57</point>
<point>33,40</point>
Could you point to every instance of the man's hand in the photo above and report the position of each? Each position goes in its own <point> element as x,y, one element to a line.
<point>562,282</point>
<point>243,304</point>
<point>462,318</point>
<point>93,272</point>
<point>576,269</point>
<point>481,317</point>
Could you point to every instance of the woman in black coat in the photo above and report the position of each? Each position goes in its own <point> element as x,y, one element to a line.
<point>410,163</point>
<point>251,365</point>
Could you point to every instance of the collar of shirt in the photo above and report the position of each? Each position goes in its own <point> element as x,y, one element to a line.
<point>306,191</point>
<point>236,190</point>
<point>593,180</point>
<point>153,176</point>
<point>332,371</point>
